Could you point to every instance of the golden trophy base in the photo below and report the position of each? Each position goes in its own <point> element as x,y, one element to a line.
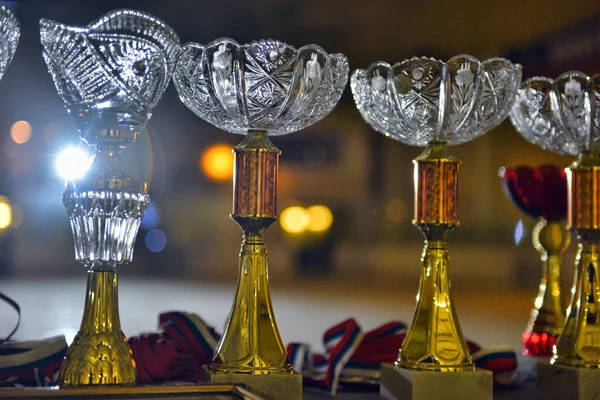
<point>565,382</point>
<point>287,386</point>
<point>413,384</point>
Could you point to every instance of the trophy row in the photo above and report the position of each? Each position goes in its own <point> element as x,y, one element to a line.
<point>112,72</point>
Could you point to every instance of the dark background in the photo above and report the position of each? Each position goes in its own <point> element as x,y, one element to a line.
<point>363,177</point>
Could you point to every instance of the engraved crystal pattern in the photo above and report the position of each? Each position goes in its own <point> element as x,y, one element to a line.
<point>10,30</point>
<point>560,115</point>
<point>265,85</point>
<point>424,100</point>
<point>119,64</point>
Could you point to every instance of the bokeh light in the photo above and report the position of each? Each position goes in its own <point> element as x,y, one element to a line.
<point>156,240</point>
<point>72,163</point>
<point>151,219</point>
<point>20,132</point>
<point>5,212</point>
<point>217,162</point>
<point>519,232</point>
<point>320,218</point>
<point>294,219</point>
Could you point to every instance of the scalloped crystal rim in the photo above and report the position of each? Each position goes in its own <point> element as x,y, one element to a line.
<point>201,91</point>
<point>10,32</point>
<point>384,113</point>
<point>95,79</point>
<point>550,128</point>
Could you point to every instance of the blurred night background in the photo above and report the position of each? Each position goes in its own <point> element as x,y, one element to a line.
<point>368,253</point>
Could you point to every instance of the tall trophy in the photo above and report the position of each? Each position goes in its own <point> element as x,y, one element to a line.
<point>110,74</point>
<point>433,104</point>
<point>10,31</point>
<point>541,193</point>
<point>261,89</point>
<point>561,115</point>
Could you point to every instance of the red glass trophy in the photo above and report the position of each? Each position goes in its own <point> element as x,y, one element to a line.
<point>541,193</point>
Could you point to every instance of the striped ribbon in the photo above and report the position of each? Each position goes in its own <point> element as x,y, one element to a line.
<point>185,343</point>
<point>32,363</point>
<point>352,357</point>
<point>178,352</point>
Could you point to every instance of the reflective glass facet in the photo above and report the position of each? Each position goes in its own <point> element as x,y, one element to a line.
<point>116,67</point>
<point>10,30</point>
<point>265,85</point>
<point>104,224</point>
<point>423,100</point>
<point>561,114</point>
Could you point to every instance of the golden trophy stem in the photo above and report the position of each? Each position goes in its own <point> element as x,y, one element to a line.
<point>579,344</point>
<point>435,340</point>
<point>251,342</point>
<point>547,319</point>
<point>99,353</point>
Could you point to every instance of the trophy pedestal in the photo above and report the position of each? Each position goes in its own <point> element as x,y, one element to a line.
<point>529,364</point>
<point>564,382</point>
<point>407,384</point>
<point>273,386</point>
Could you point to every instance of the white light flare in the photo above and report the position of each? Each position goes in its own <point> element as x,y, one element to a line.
<point>72,163</point>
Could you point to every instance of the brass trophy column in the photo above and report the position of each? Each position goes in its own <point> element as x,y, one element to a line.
<point>110,74</point>
<point>251,342</point>
<point>435,340</point>
<point>551,240</point>
<point>260,89</point>
<point>579,345</point>
<point>429,103</point>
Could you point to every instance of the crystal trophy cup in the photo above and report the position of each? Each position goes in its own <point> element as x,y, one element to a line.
<point>433,104</point>
<point>10,31</point>
<point>541,193</point>
<point>110,74</point>
<point>262,89</point>
<point>563,116</point>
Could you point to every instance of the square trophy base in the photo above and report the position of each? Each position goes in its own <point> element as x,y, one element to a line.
<point>272,386</point>
<point>564,382</point>
<point>408,384</point>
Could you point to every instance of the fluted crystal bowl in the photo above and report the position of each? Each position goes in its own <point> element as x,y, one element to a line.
<point>561,115</point>
<point>10,30</point>
<point>265,85</point>
<point>116,68</point>
<point>424,100</point>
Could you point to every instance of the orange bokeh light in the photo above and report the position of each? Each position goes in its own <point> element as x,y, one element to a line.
<point>217,162</point>
<point>20,132</point>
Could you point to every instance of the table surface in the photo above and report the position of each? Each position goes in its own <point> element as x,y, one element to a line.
<point>304,311</point>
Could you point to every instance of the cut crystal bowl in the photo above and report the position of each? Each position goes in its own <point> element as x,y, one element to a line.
<point>560,115</point>
<point>266,85</point>
<point>10,30</point>
<point>119,65</point>
<point>424,100</point>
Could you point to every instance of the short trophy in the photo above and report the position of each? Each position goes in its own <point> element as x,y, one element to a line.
<point>562,115</point>
<point>10,31</point>
<point>429,103</point>
<point>261,89</point>
<point>541,193</point>
<point>110,74</point>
